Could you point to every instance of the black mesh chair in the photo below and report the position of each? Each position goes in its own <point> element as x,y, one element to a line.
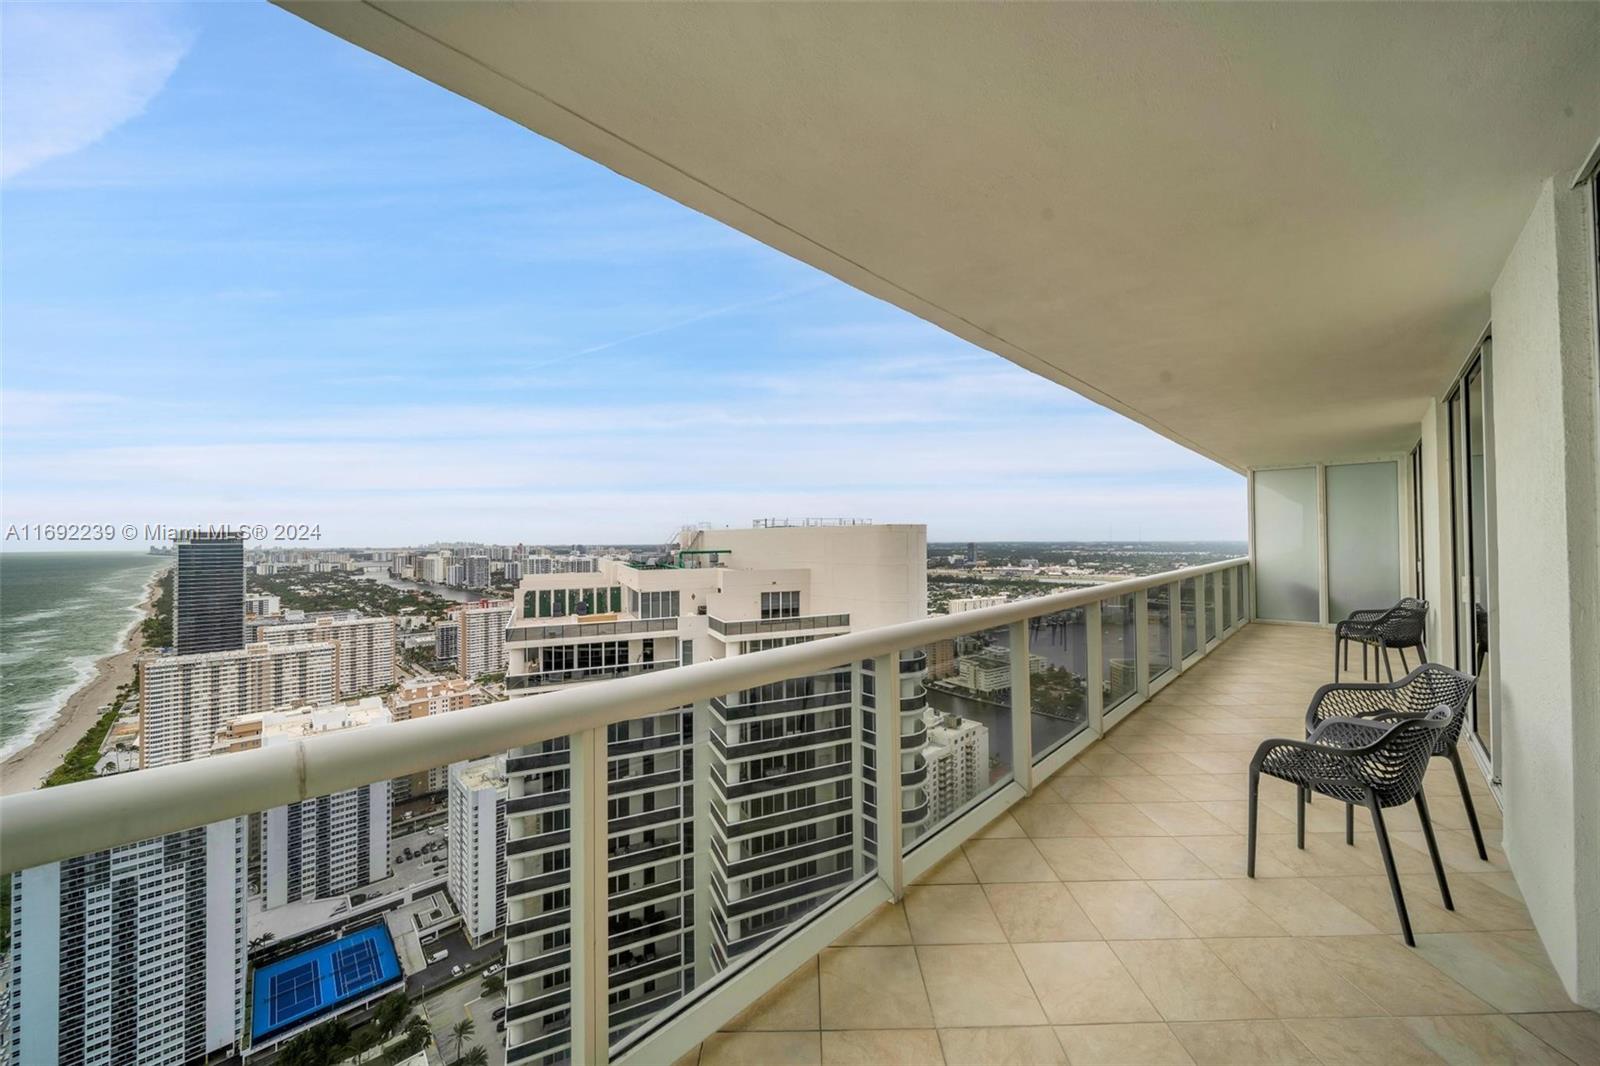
<point>1376,763</point>
<point>1429,685</point>
<point>1400,627</point>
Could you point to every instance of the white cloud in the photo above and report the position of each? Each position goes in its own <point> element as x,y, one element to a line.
<point>73,73</point>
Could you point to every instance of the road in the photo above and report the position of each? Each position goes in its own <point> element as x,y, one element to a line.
<point>446,1006</point>
<point>462,955</point>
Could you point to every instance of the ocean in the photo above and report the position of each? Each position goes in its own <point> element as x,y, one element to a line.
<point>60,612</point>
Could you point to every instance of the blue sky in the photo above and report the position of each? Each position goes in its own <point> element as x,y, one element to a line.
<point>253,274</point>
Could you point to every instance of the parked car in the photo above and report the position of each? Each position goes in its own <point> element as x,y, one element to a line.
<point>455,971</point>
<point>499,1012</point>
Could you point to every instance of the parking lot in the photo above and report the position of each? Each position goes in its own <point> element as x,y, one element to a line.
<point>445,1008</point>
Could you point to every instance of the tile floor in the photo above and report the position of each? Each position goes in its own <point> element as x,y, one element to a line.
<point>1107,919</point>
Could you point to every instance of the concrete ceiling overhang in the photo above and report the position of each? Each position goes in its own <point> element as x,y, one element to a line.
<point>1266,231</point>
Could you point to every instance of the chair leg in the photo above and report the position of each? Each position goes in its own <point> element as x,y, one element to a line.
<point>1250,836</point>
<point>1422,652</point>
<point>1300,817</point>
<point>1466,798</point>
<point>1337,644</point>
<point>1388,866</point>
<point>1363,662</point>
<point>1433,851</point>
<point>1405,667</point>
<point>1388,669</point>
<point>1350,824</point>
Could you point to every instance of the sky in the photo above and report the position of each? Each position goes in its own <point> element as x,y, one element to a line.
<point>251,274</point>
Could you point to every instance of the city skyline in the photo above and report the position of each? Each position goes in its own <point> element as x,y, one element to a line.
<point>328,292</point>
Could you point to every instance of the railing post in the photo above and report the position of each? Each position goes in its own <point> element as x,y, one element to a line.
<point>1093,676</point>
<point>886,707</point>
<point>1021,707</point>
<point>591,1042</point>
<point>1141,642</point>
<point>703,828</point>
<point>1175,613</point>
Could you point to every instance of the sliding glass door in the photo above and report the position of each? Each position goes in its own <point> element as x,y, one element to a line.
<point>1470,521</point>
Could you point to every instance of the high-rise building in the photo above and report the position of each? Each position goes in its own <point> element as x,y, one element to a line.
<point>477,571</point>
<point>262,604</point>
<point>455,574</point>
<point>482,643</point>
<point>327,845</point>
<point>433,567</point>
<point>477,845</point>
<point>512,570</point>
<point>208,594</point>
<point>957,754</point>
<point>418,699</point>
<point>132,955</point>
<point>447,641</point>
<point>365,649</point>
<point>701,874</point>
<point>972,551</point>
<point>185,699</point>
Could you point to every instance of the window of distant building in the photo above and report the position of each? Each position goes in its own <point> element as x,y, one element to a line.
<point>780,604</point>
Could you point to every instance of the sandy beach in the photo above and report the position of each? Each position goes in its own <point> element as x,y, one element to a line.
<point>27,769</point>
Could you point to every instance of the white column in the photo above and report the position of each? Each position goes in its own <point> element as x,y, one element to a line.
<point>1021,708</point>
<point>1094,681</point>
<point>591,1043</point>
<point>886,707</point>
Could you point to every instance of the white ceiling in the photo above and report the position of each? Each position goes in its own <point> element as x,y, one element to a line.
<point>1266,231</point>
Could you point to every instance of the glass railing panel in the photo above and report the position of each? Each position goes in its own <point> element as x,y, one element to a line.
<point>1225,578</point>
<point>1158,629</point>
<point>1119,653</point>
<point>1058,671</point>
<point>1241,587</point>
<point>1187,618</point>
<point>1210,607</point>
<point>966,687</point>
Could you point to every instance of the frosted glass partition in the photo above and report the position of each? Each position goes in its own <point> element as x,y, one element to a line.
<point>1363,537</point>
<point>1286,570</point>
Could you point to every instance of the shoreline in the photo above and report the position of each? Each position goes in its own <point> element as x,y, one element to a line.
<point>26,768</point>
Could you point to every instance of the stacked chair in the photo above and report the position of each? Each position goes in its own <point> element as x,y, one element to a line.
<point>1370,744</point>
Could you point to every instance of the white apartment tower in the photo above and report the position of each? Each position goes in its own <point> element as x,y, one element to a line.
<point>710,856</point>
<point>365,649</point>
<point>327,845</point>
<point>481,640</point>
<point>477,845</point>
<point>132,955</point>
<point>957,754</point>
<point>185,699</point>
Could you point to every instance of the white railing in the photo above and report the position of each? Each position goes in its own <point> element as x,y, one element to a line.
<point>71,820</point>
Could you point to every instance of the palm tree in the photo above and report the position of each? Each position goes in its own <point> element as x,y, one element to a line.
<point>463,1029</point>
<point>475,1056</point>
<point>493,985</point>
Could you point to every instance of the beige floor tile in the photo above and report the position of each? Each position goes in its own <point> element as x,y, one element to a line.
<point>1235,814</point>
<point>1276,970</point>
<point>1159,858</point>
<point>1362,1041</point>
<point>689,1058</point>
<point>1186,981</point>
<point>1007,860</point>
<point>1001,828</point>
<point>1083,983</point>
<point>1399,979</point>
<point>1146,789</point>
<point>1215,908</point>
<point>1302,908</point>
<point>953,869</point>
<point>1483,1040</point>
<point>1037,911</point>
<point>1167,762</point>
<point>1576,1034</point>
<point>884,926</point>
<point>1085,859</point>
<point>977,984</point>
<point>1242,1043</point>
<point>1142,1044</point>
<point>951,914</point>
<point>1508,970</point>
<point>1210,786</point>
<point>1370,897</point>
<point>872,988</point>
<point>1014,1046</point>
<point>1052,820</point>
<point>762,1049</point>
<point>1119,820</point>
<point>1127,910</point>
<point>881,1047</point>
<point>1185,818</point>
<point>1325,855</point>
<point>1484,906</point>
<point>1103,761</point>
<point>791,1005</point>
<point>1086,790</point>
<point>1456,848</point>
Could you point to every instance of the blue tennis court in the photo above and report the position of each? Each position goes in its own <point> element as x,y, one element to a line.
<point>318,980</point>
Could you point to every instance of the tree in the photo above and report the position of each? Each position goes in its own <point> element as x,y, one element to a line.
<point>493,984</point>
<point>461,1030</point>
<point>363,1042</point>
<point>475,1056</point>
<point>391,1013</point>
<point>417,1027</point>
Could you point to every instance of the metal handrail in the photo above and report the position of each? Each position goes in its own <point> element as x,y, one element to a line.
<point>49,825</point>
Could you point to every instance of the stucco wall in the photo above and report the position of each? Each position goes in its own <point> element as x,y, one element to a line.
<point>1546,594</point>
